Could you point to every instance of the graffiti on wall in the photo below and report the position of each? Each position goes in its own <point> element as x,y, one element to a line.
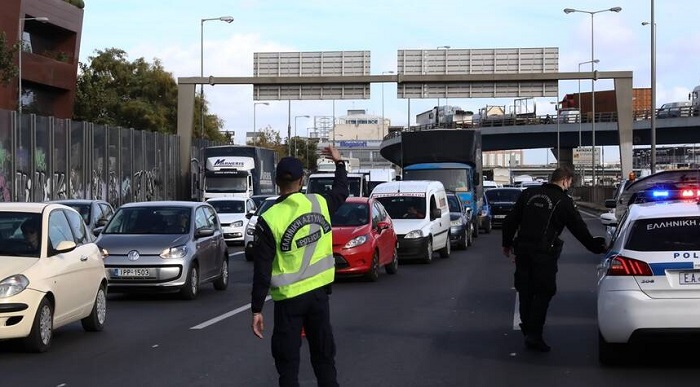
<point>48,187</point>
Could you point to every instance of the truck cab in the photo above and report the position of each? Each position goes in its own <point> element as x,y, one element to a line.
<point>228,176</point>
<point>322,183</point>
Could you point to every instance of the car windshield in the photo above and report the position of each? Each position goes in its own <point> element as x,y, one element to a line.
<point>20,234</point>
<point>453,202</point>
<point>451,179</point>
<point>225,184</point>
<point>350,214</point>
<point>404,207</point>
<point>502,195</point>
<point>228,206</point>
<point>665,234</point>
<point>150,220</point>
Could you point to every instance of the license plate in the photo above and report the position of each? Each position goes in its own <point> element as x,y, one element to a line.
<point>499,216</point>
<point>131,272</point>
<point>689,277</point>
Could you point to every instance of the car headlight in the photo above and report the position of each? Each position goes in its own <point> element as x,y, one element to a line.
<point>456,223</point>
<point>414,234</point>
<point>250,230</point>
<point>357,241</point>
<point>13,285</point>
<point>238,223</point>
<point>174,252</point>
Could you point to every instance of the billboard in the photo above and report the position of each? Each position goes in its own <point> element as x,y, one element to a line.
<point>583,156</point>
<point>311,64</point>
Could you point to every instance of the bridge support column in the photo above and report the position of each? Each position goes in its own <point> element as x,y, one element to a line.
<point>623,97</point>
<point>566,158</point>
<point>185,122</point>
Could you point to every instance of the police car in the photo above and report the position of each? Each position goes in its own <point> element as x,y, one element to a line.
<point>649,280</point>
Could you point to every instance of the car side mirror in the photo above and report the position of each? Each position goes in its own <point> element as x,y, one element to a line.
<point>382,225</point>
<point>249,215</point>
<point>203,233</point>
<point>608,219</point>
<point>97,231</point>
<point>610,203</point>
<point>65,247</point>
<point>435,213</point>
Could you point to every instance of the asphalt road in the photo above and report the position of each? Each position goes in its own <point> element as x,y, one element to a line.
<point>450,323</point>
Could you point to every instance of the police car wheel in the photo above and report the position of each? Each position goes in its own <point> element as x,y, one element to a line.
<point>610,353</point>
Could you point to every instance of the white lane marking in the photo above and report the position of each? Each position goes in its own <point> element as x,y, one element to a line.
<point>225,316</point>
<point>516,313</point>
<point>236,253</point>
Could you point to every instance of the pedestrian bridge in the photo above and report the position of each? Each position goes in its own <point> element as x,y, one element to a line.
<point>538,134</point>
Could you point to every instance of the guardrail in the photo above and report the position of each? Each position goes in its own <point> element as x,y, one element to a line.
<point>509,120</point>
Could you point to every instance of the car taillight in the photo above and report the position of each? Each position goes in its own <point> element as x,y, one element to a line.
<point>623,266</point>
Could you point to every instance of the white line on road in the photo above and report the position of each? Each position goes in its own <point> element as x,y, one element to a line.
<point>236,253</point>
<point>516,313</point>
<point>225,316</point>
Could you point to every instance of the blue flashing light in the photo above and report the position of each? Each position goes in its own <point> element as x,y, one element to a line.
<point>659,194</point>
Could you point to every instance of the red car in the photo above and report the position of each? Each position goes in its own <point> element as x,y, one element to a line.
<point>363,239</point>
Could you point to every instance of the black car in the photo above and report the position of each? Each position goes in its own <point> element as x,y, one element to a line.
<point>461,225</point>
<point>502,201</point>
<point>96,213</point>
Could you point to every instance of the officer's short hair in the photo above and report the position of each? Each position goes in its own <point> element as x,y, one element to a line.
<point>562,173</point>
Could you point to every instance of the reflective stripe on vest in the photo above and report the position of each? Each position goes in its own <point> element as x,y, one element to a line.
<point>318,241</point>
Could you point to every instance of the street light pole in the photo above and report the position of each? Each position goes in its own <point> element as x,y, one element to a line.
<point>255,128</point>
<point>20,41</point>
<point>227,19</point>
<point>383,123</point>
<point>295,132</point>
<point>652,160</point>
<point>592,13</point>
<point>580,111</point>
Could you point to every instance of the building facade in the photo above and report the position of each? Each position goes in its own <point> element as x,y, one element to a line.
<point>50,50</point>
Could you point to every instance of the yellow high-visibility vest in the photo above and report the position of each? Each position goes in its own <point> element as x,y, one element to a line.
<point>301,227</point>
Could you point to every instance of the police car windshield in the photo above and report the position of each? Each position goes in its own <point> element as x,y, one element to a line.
<point>665,234</point>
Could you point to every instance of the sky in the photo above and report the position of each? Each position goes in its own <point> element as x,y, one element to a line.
<point>171,32</point>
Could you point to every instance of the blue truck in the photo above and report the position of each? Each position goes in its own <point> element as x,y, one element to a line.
<point>451,156</point>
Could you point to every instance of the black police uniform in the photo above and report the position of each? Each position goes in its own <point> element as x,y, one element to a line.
<point>310,310</point>
<point>532,230</point>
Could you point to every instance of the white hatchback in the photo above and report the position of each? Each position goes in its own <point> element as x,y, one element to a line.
<point>51,273</point>
<point>649,280</point>
<point>232,216</point>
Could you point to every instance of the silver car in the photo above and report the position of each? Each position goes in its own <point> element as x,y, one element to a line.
<point>168,245</point>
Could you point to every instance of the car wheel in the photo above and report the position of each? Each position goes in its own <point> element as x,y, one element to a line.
<point>191,288</point>
<point>488,227</point>
<point>373,273</point>
<point>221,283</point>
<point>445,251</point>
<point>470,235</point>
<point>428,258</point>
<point>248,257</point>
<point>610,353</point>
<point>39,339</point>
<point>475,228</point>
<point>95,322</point>
<point>393,266</point>
<point>462,244</point>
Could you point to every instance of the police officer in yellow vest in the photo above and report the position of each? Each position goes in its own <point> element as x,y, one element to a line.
<point>293,260</point>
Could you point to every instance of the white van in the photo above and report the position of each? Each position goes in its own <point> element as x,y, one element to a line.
<point>421,217</point>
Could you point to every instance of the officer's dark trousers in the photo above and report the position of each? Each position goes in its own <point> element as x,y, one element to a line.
<point>310,310</point>
<point>535,281</point>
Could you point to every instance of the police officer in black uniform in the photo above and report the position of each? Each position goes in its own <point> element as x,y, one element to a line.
<point>531,231</point>
<point>306,309</point>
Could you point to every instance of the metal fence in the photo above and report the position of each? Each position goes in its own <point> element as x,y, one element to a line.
<point>45,158</point>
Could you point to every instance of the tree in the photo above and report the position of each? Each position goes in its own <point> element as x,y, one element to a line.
<point>270,138</point>
<point>8,69</point>
<point>112,90</point>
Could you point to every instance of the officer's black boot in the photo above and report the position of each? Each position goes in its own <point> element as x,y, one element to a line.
<point>535,342</point>
<point>523,329</point>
